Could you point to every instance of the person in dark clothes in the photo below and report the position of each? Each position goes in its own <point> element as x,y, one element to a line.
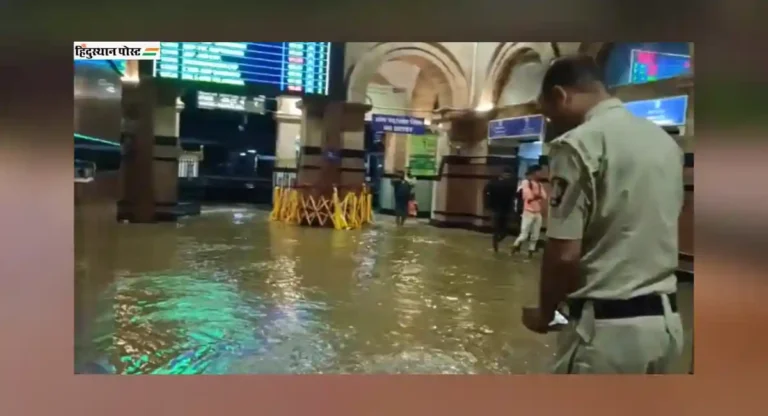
<point>499,197</point>
<point>403,189</point>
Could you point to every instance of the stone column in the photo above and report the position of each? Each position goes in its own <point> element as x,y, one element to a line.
<point>167,149</point>
<point>289,125</point>
<point>150,140</point>
<point>353,144</point>
<point>312,140</point>
<point>137,168</point>
<point>466,170</point>
<point>439,186</point>
<point>332,144</point>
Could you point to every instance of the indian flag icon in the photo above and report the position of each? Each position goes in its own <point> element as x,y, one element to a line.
<point>150,52</point>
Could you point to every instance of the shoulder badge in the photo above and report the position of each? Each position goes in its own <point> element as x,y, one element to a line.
<point>559,186</point>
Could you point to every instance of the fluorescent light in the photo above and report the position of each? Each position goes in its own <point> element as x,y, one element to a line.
<point>95,139</point>
<point>484,107</point>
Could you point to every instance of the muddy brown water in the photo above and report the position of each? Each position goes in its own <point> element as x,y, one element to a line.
<point>229,292</point>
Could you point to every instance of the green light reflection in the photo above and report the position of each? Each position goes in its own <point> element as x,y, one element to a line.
<point>181,324</point>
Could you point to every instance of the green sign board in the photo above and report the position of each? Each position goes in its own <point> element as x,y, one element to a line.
<point>422,151</point>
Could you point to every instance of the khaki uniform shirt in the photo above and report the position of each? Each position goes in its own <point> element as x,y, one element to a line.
<point>617,185</point>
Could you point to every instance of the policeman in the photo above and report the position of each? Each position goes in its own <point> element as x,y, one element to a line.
<point>611,251</point>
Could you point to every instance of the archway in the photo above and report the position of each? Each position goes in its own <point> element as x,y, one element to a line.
<point>433,61</point>
<point>407,79</point>
<point>512,86</point>
<point>513,70</point>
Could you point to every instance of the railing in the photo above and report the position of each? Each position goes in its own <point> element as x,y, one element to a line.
<point>301,206</point>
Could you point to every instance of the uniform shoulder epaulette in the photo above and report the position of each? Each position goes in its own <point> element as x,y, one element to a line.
<point>559,139</point>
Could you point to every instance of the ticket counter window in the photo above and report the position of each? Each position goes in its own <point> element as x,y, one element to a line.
<point>528,155</point>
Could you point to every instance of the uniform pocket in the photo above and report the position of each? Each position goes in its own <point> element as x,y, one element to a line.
<point>573,343</point>
<point>673,324</point>
<point>674,327</point>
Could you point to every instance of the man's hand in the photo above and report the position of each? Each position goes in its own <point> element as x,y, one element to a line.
<point>535,321</point>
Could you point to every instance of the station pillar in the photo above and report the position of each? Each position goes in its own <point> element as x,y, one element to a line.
<point>151,149</point>
<point>353,154</point>
<point>332,144</point>
<point>289,123</point>
<point>459,193</point>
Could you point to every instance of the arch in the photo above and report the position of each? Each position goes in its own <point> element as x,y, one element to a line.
<point>431,87</point>
<point>428,55</point>
<point>504,59</point>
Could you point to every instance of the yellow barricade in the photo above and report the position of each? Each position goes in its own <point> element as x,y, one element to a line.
<point>353,211</point>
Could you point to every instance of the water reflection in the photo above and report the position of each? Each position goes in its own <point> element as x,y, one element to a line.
<point>229,292</point>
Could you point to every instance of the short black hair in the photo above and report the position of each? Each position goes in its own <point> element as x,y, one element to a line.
<point>532,169</point>
<point>577,71</point>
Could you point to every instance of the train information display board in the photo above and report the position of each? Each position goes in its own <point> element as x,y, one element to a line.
<point>216,101</point>
<point>299,67</point>
<point>648,66</point>
<point>525,127</point>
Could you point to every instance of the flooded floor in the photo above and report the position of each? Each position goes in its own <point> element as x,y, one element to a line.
<point>228,292</point>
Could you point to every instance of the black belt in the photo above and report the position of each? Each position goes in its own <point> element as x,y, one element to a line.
<point>648,305</point>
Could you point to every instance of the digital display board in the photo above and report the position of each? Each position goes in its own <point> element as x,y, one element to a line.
<point>216,101</point>
<point>300,67</point>
<point>648,66</point>
<point>668,111</point>
<point>525,127</point>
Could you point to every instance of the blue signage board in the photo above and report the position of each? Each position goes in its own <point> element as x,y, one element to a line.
<point>397,124</point>
<point>525,127</point>
<point>669,111</point>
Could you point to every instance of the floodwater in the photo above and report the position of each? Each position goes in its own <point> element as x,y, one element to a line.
<point>229,292</point>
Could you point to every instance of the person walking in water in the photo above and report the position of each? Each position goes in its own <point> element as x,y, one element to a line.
<point>499,195</point>
<point>532,197</point>
<point>403,188</point>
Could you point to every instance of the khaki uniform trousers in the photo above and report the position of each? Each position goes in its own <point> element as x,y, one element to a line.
<point>637,345</point>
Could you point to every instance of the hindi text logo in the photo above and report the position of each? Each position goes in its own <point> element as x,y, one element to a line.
<point>117,50</point>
